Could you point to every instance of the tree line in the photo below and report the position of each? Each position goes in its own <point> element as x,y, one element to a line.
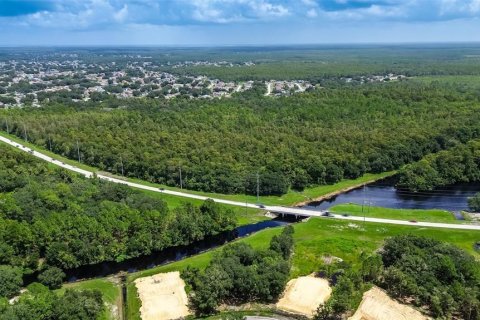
<point>461,163</point>
<point>292,142</point>
<point>49,214</point>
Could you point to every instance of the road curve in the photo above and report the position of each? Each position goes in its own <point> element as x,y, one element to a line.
<point>275,209</point>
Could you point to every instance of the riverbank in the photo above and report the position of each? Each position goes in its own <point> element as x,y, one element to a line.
<point>323,193</point>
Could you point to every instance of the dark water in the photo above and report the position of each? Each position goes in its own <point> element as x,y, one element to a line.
<point>384,194</point>
<point>170,254</point>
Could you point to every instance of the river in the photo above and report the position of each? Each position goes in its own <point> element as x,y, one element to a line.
<point>169,255</point>
<point>383,194</point>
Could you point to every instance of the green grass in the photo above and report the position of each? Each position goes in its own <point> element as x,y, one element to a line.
<point>432,215</point>
<point>243,215</point>
<point>314,239</point>
<point>111,293</point>
<point>291,197</point>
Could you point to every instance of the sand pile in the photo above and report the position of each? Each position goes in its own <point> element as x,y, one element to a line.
<point>377,305</point>
<point>303,295</point>
<point>163,296</point>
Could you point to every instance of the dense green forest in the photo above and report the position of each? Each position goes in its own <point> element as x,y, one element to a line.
<point>240,274</point>
<point>460,163</point>
<point>40,303</point>
<point>49,214</point>
<point>437,277</point>
<point>219,145</point>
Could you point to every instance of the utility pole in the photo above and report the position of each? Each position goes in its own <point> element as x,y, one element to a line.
<point>78,152</point>
<point>121,162</point>
<point>6,122</point>
<point>258,187</point>
<point>181,182</point>
<point>50,143</point>
<point>363,201</point>
<point>364,191</point>
<point>25,132</point>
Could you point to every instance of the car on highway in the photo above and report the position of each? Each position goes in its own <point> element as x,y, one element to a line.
<point>261,206</point>
<point>413,221</point>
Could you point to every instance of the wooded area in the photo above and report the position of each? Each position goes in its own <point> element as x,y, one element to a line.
<point>293,142</point>
<point>69,221</point>
<point>461,163</point>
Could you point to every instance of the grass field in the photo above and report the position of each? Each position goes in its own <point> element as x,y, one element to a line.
<point>111,292</point>
<point>314,239</point>
<point>401,214</point>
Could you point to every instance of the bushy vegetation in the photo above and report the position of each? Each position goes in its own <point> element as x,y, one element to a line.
<point>39,303</point>
<point>241,274</point>
<point>474,203</point>
<point>293,142</point>
<point>50,213</point>
<point>433,275</point>
<point>461,163</point>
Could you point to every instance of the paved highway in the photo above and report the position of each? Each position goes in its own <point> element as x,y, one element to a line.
<point>275,209</point>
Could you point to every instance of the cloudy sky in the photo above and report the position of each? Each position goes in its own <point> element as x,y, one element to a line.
<point>236,22</point>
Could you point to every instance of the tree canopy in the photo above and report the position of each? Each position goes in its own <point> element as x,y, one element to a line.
<point>292,142</point>
<point>69,221</point>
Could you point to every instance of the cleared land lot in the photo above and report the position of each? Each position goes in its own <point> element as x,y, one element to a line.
<point>163,296</point>
<point>304,294</point>
<point>377,305</point>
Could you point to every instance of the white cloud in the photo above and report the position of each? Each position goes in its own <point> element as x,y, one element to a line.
<point>312,13</point>
<point>121,14</point>
<point>266,9</point>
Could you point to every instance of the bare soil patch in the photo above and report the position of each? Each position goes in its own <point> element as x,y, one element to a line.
<point>377,305</point>
<point>303,295</point>
<point>163,296</point>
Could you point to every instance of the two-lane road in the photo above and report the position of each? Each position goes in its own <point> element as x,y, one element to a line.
<point>275,209</point>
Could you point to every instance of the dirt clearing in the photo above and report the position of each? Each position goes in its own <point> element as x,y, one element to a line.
<point>303,295</point>
<point>163,296</point>
<point>377,305</point>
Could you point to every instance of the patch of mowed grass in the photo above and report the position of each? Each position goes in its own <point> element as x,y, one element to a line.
<point>431,215</point>
<point>291,197</point>
<point>346,240</point>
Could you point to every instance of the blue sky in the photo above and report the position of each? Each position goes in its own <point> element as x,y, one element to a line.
<point>236,22</point>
